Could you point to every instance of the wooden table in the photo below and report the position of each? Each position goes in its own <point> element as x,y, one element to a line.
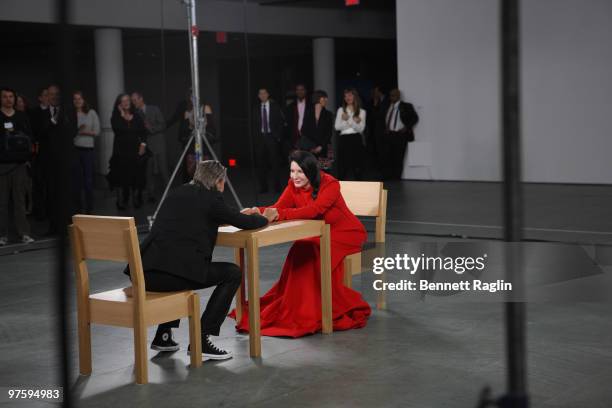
<point>275,233</point>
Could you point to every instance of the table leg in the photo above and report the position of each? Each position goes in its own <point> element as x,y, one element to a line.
<point>326,281</point>
<point>239,259</point>
<point>253,282</point>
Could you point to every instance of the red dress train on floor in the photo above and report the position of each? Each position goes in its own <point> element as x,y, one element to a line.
<point>292,307</point>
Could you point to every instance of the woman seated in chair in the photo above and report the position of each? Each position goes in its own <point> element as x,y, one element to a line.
<point>292,307</point>
<point>177,254</point>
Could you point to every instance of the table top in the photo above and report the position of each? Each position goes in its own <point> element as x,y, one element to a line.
<point>272,234</point>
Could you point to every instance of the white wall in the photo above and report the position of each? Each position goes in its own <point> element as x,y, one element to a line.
<point>448,63</point>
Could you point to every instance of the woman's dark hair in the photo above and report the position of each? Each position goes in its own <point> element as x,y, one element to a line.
<point>118,101</point>
<point>85,107</point>
<point>310,166</point>
<point>356,101</point>
<point>317,95</point>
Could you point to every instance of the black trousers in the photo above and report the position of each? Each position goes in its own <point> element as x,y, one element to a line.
<point>224,275</point>
<point>394,148</point>
<point>269,159</point>
<point>351,156</point>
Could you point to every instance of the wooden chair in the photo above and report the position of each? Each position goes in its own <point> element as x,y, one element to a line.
<point>115,239</point>
<point>364,199</point>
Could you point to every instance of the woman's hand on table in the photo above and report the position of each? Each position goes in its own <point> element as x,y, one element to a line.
<point>271,214</point>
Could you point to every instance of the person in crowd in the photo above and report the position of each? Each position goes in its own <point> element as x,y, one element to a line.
<point>296,111</point>
<point>38,116</point>
<point>185,117</point>
<point>128,161</point>
<point>89,128</point>
<point>318,126</point>
<point>22,104</point>
<point>292,307</point>
<point>268,122</point>
<point>157,165</point>
<point>399,121</point>
<point>177,254</point>
<point>376,111</point>
<point>13,167</point>
<point>350,123</point>
<point>59,158</point>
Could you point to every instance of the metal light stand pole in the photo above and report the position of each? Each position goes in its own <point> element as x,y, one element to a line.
<point>199,131</point>
<point>515,312</point>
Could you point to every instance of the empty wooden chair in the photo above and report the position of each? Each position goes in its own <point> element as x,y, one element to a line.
<point>364,199</point>
<point>115,239</point>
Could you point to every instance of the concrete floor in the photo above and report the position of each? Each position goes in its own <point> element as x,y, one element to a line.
<point>420,352</point>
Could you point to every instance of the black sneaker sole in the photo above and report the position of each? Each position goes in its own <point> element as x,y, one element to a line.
<point>213,356</point>
<point>164,348</point>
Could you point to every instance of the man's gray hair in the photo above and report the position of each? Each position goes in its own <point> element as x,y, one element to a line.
<point>208,173</point>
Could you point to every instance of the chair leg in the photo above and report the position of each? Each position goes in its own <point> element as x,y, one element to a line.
<point>348,272</point>
<point>195,331</point>
<point>140,351</point>
<point>84,328</point>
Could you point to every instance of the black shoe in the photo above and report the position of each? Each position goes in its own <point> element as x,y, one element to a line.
<point>210,351</point>
<point>163,341</point>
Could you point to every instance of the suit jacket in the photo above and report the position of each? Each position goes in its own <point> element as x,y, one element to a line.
<point>154,118</point>
<point>317,133</point>
<point>57,141</point>
<point>276,122</point>
<point>292,117</point>
<point>183,237</point>
<point>408,116</point>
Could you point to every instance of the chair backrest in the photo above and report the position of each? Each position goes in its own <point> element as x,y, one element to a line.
<point>367,199</point>
<point>110,239</point>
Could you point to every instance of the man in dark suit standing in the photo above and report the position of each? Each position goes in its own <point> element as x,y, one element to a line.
<point>38,115</point>
<point>268,122</point>
<point>399,121</point>
<point>296,112</point>
<point>177,254</point>
<point>157,165</point>
<point>58,156</point>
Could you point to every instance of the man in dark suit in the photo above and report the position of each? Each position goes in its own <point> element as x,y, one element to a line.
<point>177,254</point>
<point>157,165</point>
<point>38,115</point>
<point>399,121</point>
<point>58,157</point>
<point>268,122</point>
<point>296,112</point>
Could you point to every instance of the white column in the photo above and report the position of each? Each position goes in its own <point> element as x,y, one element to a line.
<point>109,76</point>
<point>324,68</point>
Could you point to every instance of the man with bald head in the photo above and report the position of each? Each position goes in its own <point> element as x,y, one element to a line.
<point>399,121</point>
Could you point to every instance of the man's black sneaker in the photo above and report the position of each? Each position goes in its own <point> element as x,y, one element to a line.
<point>163,342</point>
<point>212,352</point>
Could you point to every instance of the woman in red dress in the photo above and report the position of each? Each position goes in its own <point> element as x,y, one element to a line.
<point>292,307</point>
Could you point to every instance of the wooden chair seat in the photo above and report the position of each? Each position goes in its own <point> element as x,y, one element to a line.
<point>114,307</point>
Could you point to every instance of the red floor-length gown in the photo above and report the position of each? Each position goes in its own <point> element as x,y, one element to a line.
<point>292,307</point>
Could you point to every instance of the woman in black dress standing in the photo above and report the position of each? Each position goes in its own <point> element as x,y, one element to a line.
<point>318,126</point>
<point>128,162</point>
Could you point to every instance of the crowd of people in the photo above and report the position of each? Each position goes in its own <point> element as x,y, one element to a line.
<point>36,142</point>
<point>377,133</point>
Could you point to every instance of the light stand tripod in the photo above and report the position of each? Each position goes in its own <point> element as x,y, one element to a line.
<point>199,130</point>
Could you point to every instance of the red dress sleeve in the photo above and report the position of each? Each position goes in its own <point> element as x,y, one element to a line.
<point>326,198</point>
